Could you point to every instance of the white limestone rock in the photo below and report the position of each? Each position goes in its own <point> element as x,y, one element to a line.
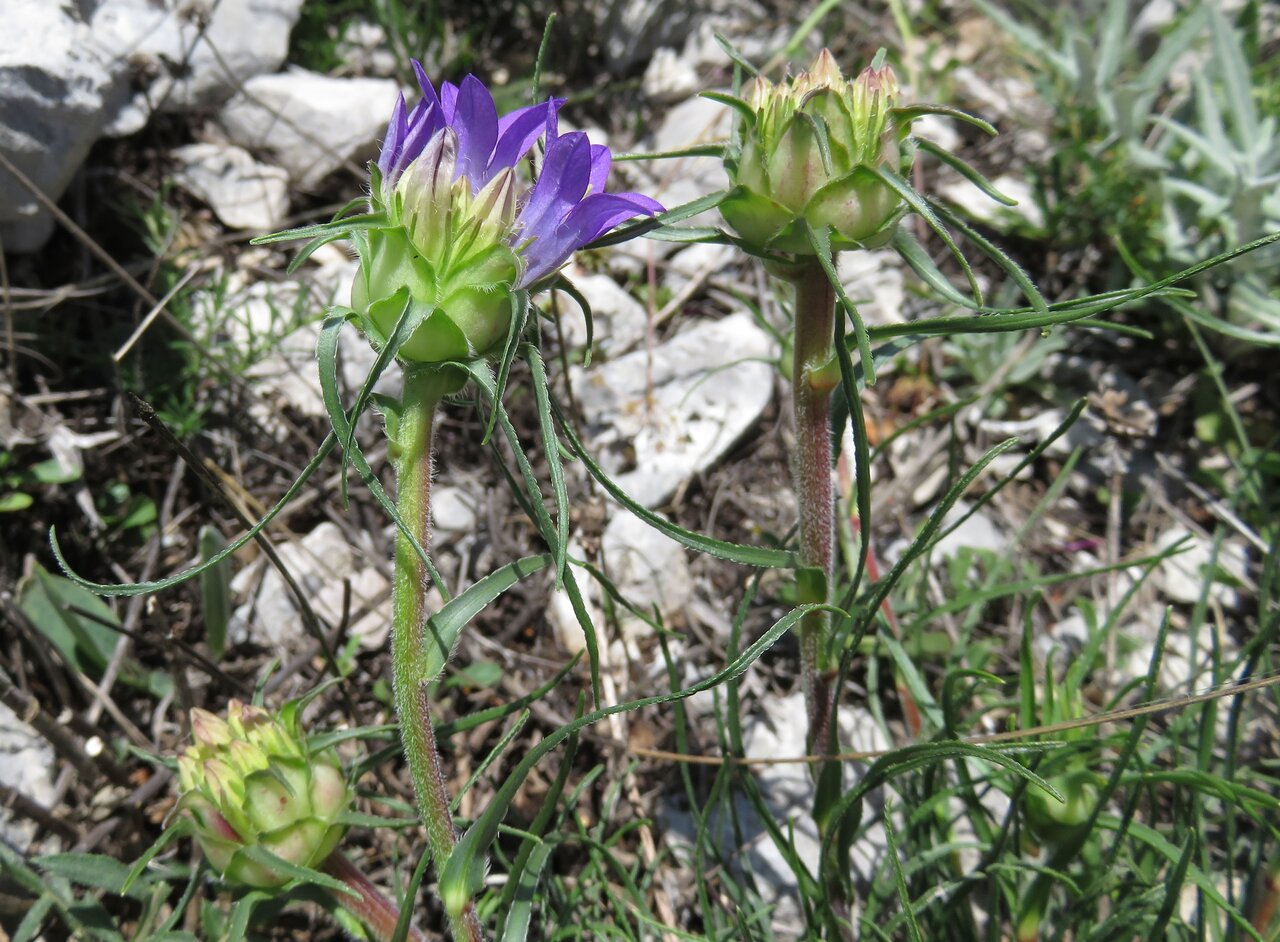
<point>670,77</point>
<point>618,318</point>
<point>312,123</point>
<point>650,570</point>
<point>27,766</point>
<point>242,192</point>
<point>710,384</point>
<point>58,87</point>
<point>874,283</point>
<point>320,563</point>
<point>192,53</point>
<point>694,121</point>
<point>1182,576</point>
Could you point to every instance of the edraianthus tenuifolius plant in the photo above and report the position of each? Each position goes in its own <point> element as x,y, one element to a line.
<point>806,151</point>
<point>250,782</point>
<point>462,230</point>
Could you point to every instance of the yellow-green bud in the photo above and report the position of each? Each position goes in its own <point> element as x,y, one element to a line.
<point>808,152</point>
<point>1051,820</point>
<point>250,781</point>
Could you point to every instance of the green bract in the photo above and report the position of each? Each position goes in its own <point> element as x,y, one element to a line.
<point>249,781</point>
<point>807,149</point>
<point>446,253</point>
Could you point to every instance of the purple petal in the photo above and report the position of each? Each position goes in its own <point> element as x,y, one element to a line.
<point>449,101</point>
<point>421,130</point>
<point>517,132</point>
<point>595,215</point>
<point>395,138</point>
<point>428,90</point>
<point>601,161</point>
<point>600,212</point>
<point>477,126</point>
<point>566,171</point>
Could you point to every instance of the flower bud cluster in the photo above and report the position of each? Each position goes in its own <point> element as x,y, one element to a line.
<point>249,781</point>
<point>807,151</point>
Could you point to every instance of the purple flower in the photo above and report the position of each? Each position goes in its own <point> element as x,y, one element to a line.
<point>565,209</point>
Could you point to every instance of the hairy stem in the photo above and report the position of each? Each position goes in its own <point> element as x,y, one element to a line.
<point>424,387</point>
<point>812,382</point>
<point>377,912</point>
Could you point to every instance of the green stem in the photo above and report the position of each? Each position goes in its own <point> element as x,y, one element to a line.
<point>812,383</point>
<point>424,387</point>
<point>377,912</point>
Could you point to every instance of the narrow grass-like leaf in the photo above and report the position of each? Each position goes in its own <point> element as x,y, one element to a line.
<point>899,880</point>
<point>466,861</point>
<point>95,870</point>
<point>446,625</point>
<point>407,906</point>
<point>645,226</point>
<point>696,150</point>
<point>913,253</point>
<point>551,449</point>
<point>911,112</point>
<point>241,913</point>
<point>736,57</point>
<point>734,552</point>
<point>928,534</point>
<point>535,85</point>
<point>861,454</point>
<point>515,908</point>
<point>263,857</point>
<point>1170,852</point>
<point>336,228</point>
<point>569,288</point>
<point>326,353</point>
<point>538,510</point>
<point>1012,268</point>
<point>519,301</point>
<point>960,166</point>
<point>820,239</point>
<point>215,592</point>
<point>744,110</point>
<point>924,209</point>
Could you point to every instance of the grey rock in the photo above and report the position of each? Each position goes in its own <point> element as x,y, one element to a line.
<point>320,562</point>
<point>454,509</point>
<point>650,570</point>
<point>1182,576</point>
<point>778,731</point>
<point>695,121</point>
<point>874,283</point>
<point>618,319</point>
<point>58,86</point>
<point>670,77</point>
<point>313,124</point>
<point>27,766</point>
<point>194,53</point>
<point>242,192</point>
<point>710,383</point>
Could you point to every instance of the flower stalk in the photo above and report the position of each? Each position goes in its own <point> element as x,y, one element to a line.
<point>815,373</point>
<point>377,912</point>
<point>425,385</point>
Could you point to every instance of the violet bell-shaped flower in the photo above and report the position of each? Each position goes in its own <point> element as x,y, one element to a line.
<point>463,230</point>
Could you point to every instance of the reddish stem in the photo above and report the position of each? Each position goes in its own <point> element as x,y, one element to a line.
<point>375,910</point>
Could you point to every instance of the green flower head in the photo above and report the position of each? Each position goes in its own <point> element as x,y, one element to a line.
<point>249,781</point>
<point>806,152</point>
